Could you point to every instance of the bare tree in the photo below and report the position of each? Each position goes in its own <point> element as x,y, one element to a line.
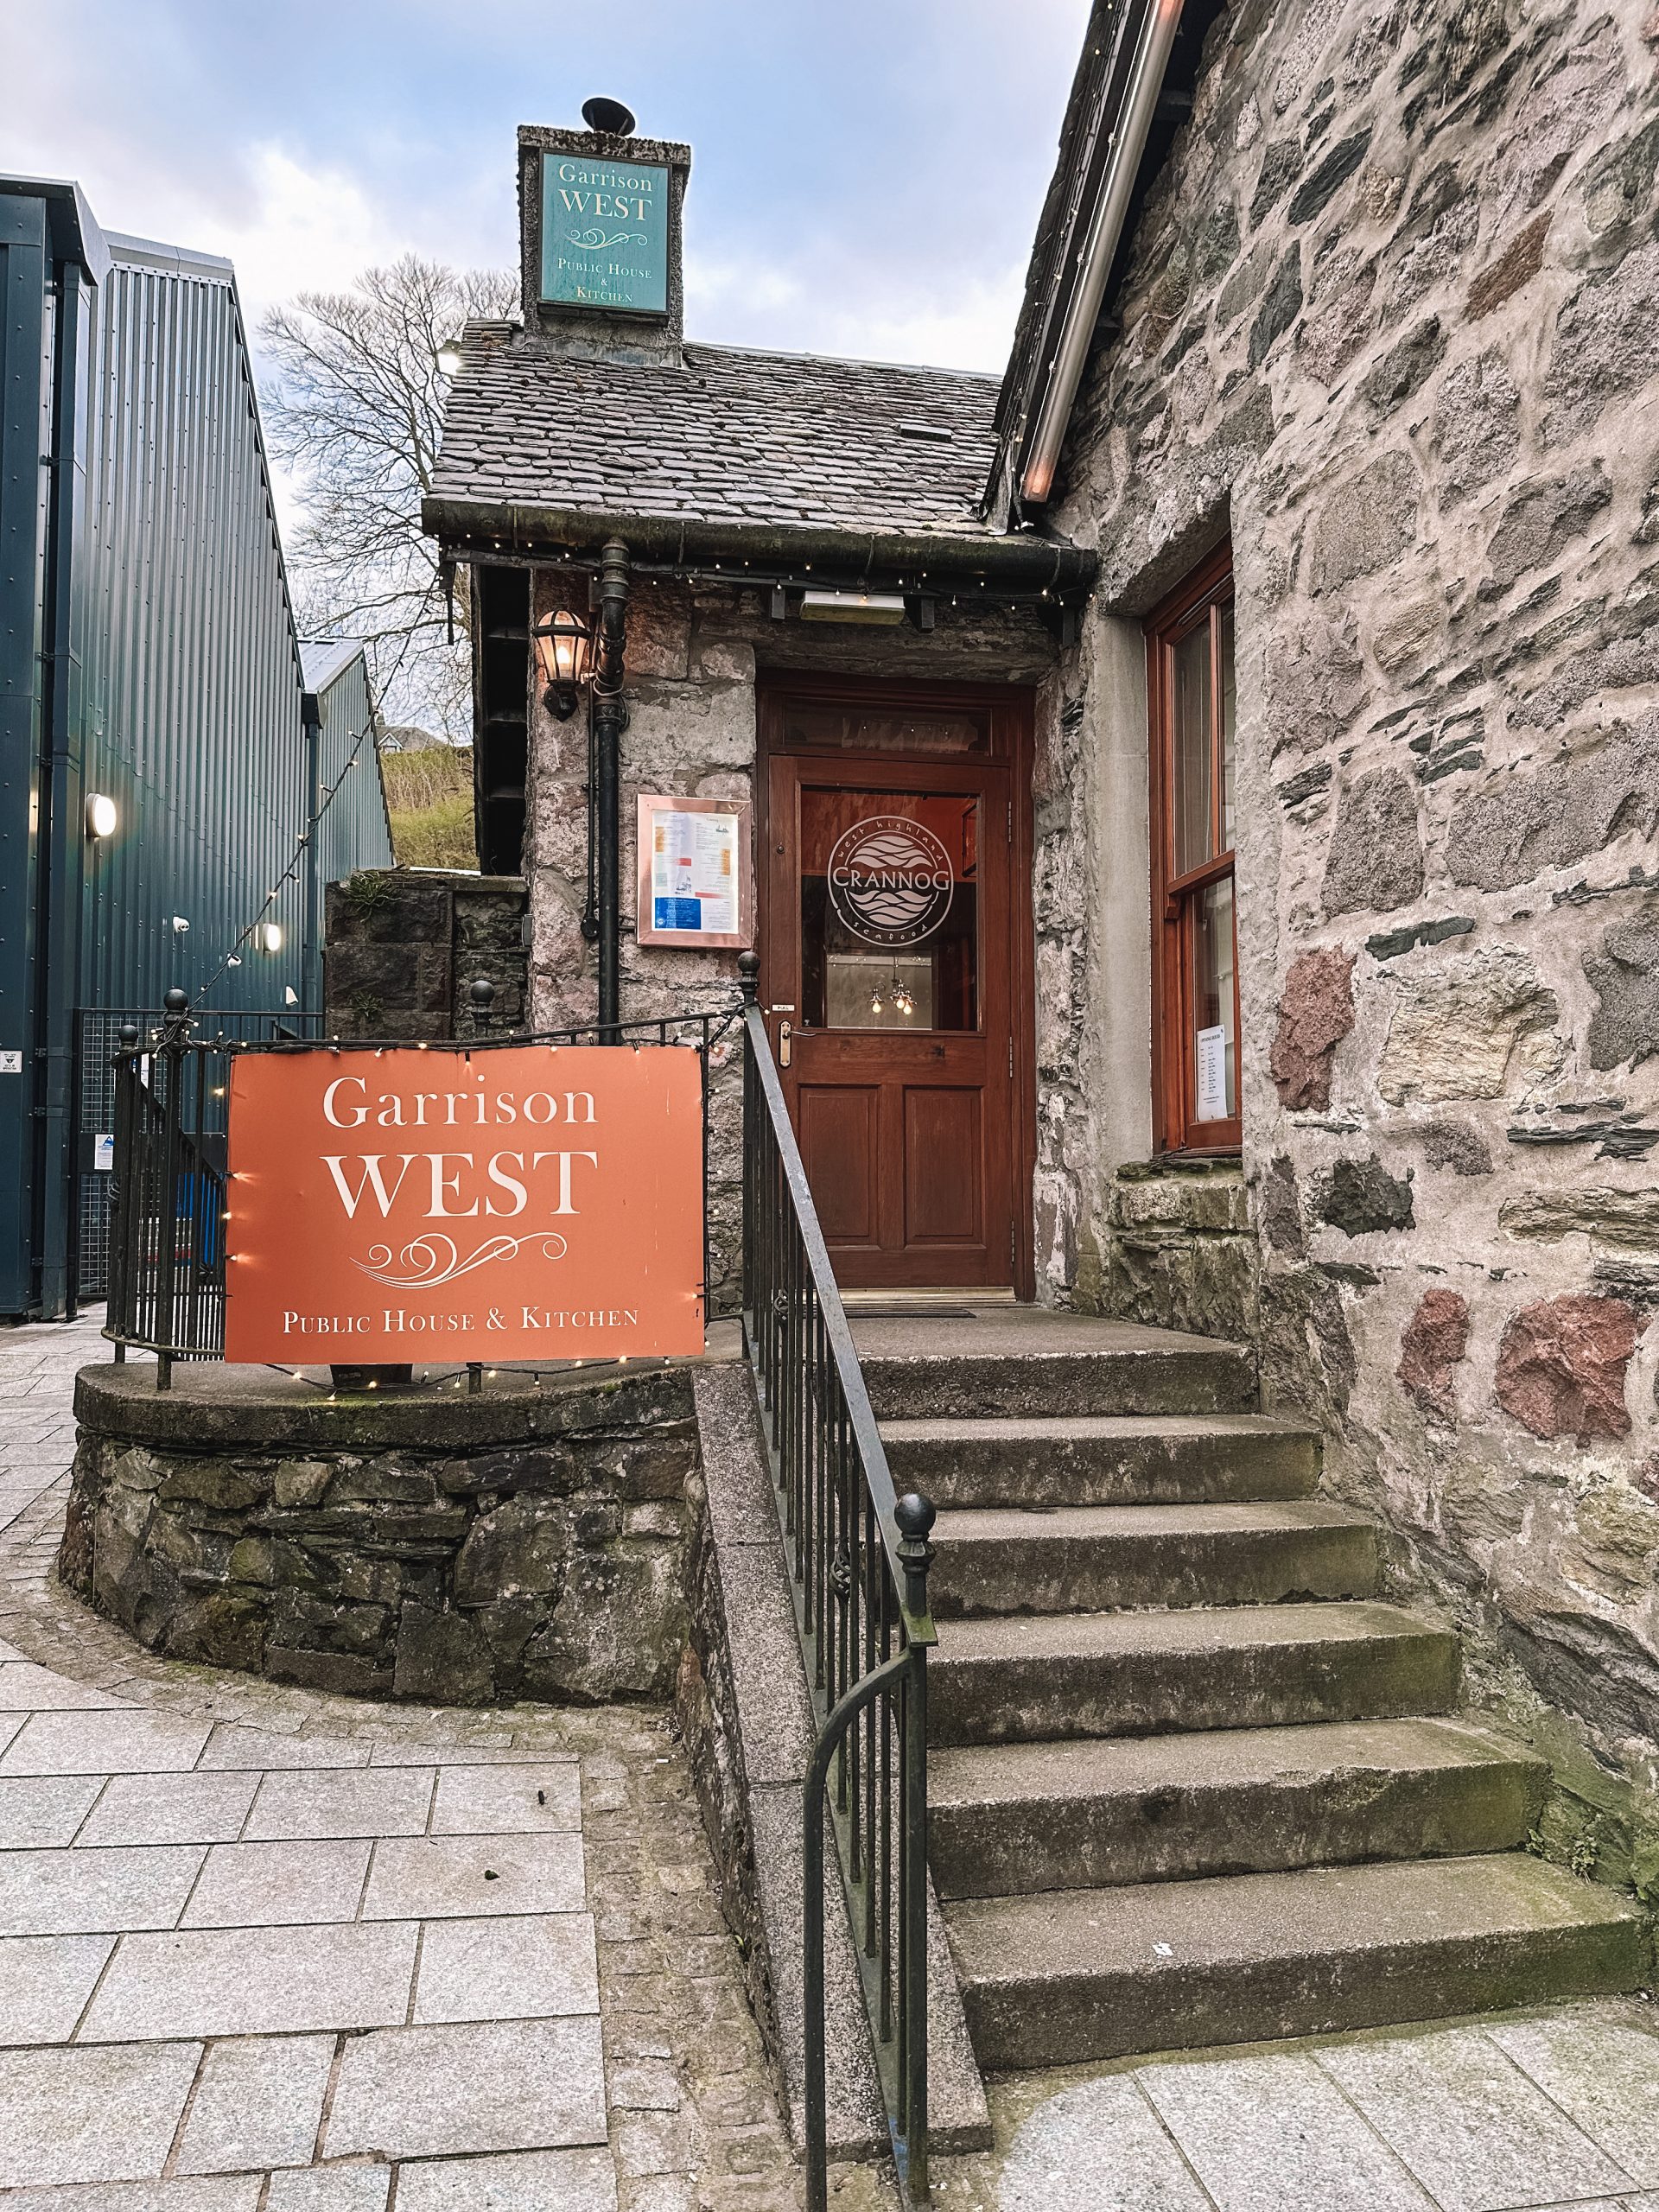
<point>354,407</point>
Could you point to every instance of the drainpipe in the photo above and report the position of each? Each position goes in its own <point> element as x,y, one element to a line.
<point>311,912</point>
<point>1105,229</point>
<point>610,718</point>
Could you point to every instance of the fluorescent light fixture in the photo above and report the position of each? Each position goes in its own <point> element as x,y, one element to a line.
<point>102,815</point>
<point>852,607</point>
<point>269,934</point>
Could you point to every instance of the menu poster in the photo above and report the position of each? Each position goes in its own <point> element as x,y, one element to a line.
<point>1211,1058</point>
<point>694,873</point>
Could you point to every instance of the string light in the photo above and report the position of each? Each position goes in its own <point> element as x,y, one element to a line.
<point>290,874</point>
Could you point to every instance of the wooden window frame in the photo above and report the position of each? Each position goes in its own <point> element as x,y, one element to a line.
<point>1197,601</point>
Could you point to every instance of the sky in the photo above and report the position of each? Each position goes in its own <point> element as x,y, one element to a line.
<point>866,174</point>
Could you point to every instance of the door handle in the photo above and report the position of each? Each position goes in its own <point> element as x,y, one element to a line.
<point>785,1034</point>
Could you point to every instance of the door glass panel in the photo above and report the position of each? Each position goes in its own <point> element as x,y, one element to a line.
<point>889,910</point>
<point>1215,1041</point>
<point>886,729</point>
<point>1194,751</point>
<point>1229,717</point>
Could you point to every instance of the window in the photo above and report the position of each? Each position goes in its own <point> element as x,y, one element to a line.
<point>1195,937</point>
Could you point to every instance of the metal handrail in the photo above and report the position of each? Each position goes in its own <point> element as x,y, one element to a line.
<point>858,1557</point>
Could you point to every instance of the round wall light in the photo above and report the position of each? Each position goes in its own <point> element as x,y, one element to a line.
<point>102,815</point>
<point>271,936</point>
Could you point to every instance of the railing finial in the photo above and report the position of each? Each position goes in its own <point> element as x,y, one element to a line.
<point>748,975</point>
<point>915,1514</point>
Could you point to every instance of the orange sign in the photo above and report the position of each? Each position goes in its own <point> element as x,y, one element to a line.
<point>522,1203</point>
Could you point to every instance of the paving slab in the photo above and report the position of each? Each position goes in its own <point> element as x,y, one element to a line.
<point>223,2193</point>
<point>295,1806</point>
<point>506,1800</point>
<point>1266,2133</point>
<point>1603,2071</point>
<point>278,1884</point>
<point>258,2103</point>
<point>330,2189</point>
<point>433,1877</point>
<point>527,2181</point>
<point>164,1808</point>
<point>80,1892</point>
<point>26,1688</point>
<point>514,2085</point>
<point>1097,2148</point>
<point>510,1968</point>
<point>1469,2124</point>
<point>247,1981</point>
<point>45,1981</point>
<point>44,1812</point>
<point>126,1742</point>
<point>231,1745</point>
<point>92,2115</point>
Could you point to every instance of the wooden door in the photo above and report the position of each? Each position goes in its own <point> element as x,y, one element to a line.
<point>890,970</point>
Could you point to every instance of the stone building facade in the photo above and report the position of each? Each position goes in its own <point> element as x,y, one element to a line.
<point>1391,325</point>
<point>1383,320</point>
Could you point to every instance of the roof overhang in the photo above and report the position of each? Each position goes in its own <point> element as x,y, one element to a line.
<point>73,228</point>
<point>1023,566</point>
<point>1118,121</point>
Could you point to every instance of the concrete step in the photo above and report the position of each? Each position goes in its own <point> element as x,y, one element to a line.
<point>1073,1558</point>
<point>1052,1979</point>
<point>1021,1361</point>
<point>1105,1459</point>
<point>1014,1818</point>
<point>1030,1675</point>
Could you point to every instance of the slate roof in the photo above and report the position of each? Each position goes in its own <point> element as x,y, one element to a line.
<point>782,441</point>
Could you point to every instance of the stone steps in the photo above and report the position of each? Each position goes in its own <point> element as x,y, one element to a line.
<point>1006,1365</point>
<point>1104,1459</point>
<point>1191,1781</point>
<point>1070,1559</point>
<point>1054,1979</point>
<point>1028,1676</point>
<point>1014,1818</point>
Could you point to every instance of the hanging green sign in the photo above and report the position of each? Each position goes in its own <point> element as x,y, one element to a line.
<point>604,234</point>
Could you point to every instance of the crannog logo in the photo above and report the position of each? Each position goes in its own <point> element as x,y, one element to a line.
<point>604,234</point>
<point>890,880</point>
<point>513,1204</point>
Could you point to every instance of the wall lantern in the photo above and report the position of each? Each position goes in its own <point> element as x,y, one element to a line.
<point>102,815</point>
<point>269,934</point>
<point>564,647</point>
<point>450,359</point>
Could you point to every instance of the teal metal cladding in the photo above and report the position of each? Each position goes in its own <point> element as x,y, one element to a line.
<point>148,653</point>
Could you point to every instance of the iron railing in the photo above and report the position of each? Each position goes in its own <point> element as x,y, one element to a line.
<point>858,1558</point>
<point>98,1036</point>
<point>165,1291</point>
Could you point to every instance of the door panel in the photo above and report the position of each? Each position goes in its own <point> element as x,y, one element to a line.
<point>944,1178</point>
<point>836,1129</point>
<point>888,941</point>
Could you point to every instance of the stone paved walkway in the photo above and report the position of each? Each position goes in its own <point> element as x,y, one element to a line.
<point>267,1950</point>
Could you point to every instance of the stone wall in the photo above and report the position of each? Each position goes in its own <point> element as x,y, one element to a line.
<point>693,653</point>
<point>523,1542</point>
<point>405,945</point>
<point>1182,1249</point>
<point>1392,321</point>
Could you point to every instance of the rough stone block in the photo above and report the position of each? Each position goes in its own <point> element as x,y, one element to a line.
<point>1316,1011</point>
<point>1560,1367</point>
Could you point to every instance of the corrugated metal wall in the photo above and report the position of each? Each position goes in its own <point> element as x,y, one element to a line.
<point>194,671</point>
<point>147,652</point>
<point>355,830</point>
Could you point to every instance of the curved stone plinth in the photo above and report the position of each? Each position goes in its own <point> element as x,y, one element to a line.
<point>527,1542</point>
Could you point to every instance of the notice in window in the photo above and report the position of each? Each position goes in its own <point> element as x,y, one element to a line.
<point>693,869</point>
<point>1211,1067</point>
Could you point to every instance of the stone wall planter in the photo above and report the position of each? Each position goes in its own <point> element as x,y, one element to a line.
<point>525,1542</point>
